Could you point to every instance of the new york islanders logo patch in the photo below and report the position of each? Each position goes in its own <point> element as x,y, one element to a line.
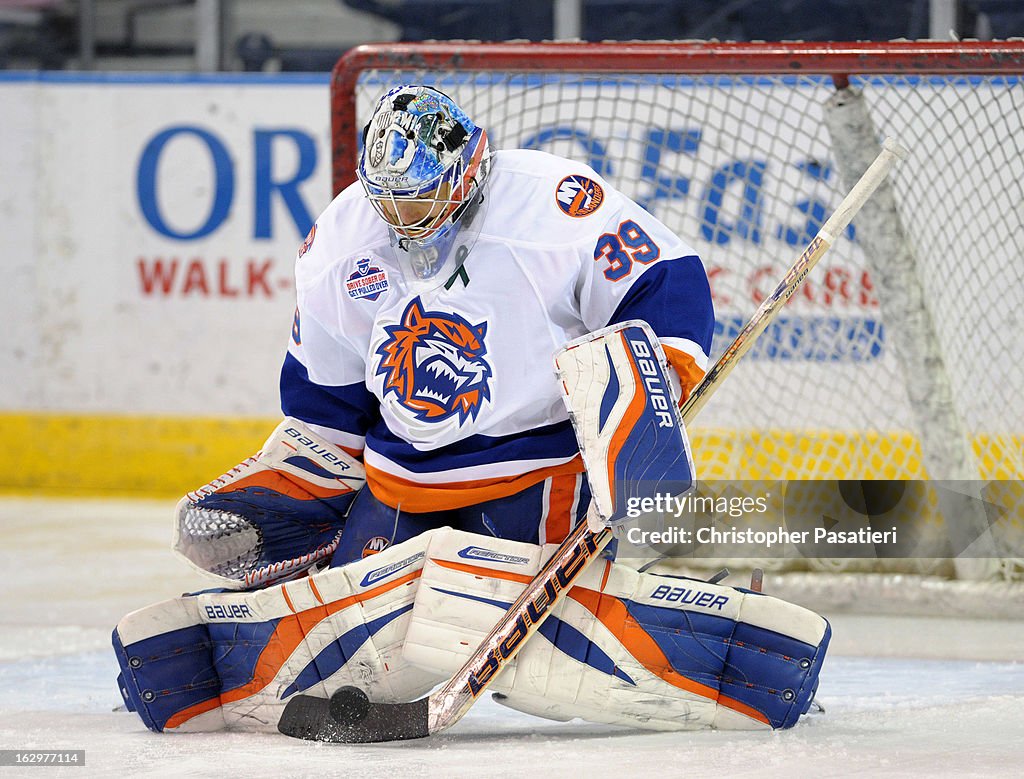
<point>367,282</point>
<point>578,196</point>
<point>433,364</point>
<point>375,545</point>
<point>308,243</point>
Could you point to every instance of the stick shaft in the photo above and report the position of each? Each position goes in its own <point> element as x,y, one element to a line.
<point>581,547</point>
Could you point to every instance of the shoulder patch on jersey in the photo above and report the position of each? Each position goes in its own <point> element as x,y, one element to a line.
<point>308,243</point>
<point>367,281</point>
<point>578,196</point>
<point>433,363</point>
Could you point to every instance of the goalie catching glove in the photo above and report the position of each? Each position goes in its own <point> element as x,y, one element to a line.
<point>273,516</point>
<point>624,647</point>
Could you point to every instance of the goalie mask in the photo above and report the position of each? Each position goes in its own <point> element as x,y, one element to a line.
<point>423,165</point>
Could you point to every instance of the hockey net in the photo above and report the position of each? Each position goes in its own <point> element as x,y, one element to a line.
<point>901,356</point>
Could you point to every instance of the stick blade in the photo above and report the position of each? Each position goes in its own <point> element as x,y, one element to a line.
<point>351,720</point>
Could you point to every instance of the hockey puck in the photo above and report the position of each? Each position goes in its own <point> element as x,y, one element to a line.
<point>349,705</point>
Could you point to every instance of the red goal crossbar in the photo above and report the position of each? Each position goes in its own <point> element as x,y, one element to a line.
<point>838,60</point>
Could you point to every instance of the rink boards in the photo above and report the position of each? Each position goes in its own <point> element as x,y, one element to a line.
<point>148,298</point>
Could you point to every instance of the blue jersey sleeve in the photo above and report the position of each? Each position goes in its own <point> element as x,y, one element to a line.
<point>674,298</point>
<point>350,410</point>
<point>323,384</point>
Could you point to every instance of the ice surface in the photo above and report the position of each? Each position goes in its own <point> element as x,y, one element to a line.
<point>903,696</point>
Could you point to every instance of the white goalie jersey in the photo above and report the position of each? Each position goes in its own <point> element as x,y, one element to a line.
<point>448,391</point>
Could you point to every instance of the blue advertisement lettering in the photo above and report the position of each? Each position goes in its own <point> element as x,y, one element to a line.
<point>596,154</point>
<point>288,188</point>
<point>750,176</point>
<point>268,144</point>
<point>815,210</point>
<point>664,187</point>
<point>808,338</point>
<point>146,182</point>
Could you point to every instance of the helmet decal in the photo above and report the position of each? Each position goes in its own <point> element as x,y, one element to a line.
<point>423,161</point>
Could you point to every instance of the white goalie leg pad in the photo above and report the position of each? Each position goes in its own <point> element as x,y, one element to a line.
<point>617,388</point>
<point>234,660</point>
<point>623,647</point>
<point>274,515</point>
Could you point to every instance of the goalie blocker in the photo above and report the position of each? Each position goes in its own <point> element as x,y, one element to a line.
<point>619,393</point>
<point>624,647</point>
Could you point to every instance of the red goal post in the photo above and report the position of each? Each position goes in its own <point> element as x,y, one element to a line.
<point>898,358</point>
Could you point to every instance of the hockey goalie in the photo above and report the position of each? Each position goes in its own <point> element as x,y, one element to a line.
<point>431,459</point>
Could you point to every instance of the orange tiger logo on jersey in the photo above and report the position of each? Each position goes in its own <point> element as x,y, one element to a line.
<point>433,363</point>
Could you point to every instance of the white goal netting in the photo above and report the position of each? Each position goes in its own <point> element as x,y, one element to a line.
<point>901,356</point>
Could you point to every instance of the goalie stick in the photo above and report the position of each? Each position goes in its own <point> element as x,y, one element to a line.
<point>350,717</point>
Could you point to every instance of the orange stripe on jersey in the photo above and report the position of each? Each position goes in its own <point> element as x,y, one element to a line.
<point>561,501</point>
<point>613,615</point>
<point>419,498</point>
<point>690,374</point>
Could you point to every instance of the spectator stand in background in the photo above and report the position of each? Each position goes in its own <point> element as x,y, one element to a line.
<point>305,36</point>
<point>736,20</point>
<point>132,42</point>
<point>485,20</point>
<point>994,19</point>
<point>36,34</point>
<point>257,51</point>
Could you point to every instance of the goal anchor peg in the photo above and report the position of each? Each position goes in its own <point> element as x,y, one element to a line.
<point>757,579</point>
